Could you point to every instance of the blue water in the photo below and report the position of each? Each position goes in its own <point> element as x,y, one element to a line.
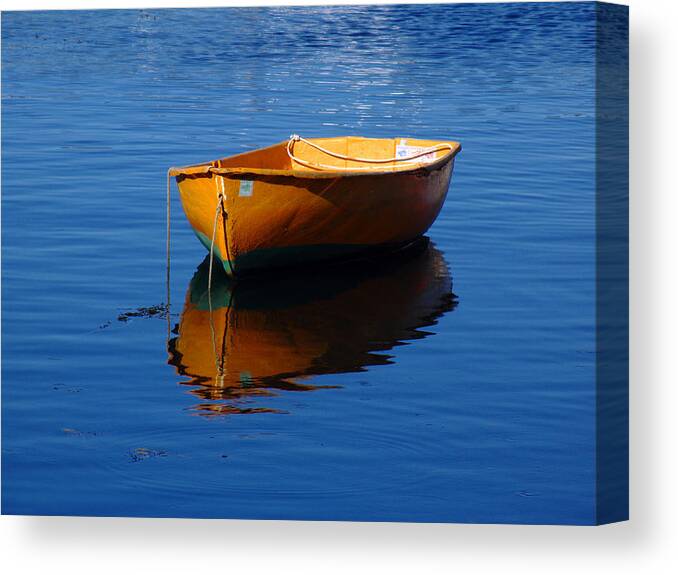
<point>469,399</point>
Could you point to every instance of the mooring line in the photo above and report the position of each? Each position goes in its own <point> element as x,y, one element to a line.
<point>220,200</point>
<point>167,278</point>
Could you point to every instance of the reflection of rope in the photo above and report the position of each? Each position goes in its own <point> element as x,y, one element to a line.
<point>295,138</point>
<point>217,363</point>
<point>219,357</point>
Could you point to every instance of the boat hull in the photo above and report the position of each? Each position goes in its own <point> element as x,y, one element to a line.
<point>272,221</point>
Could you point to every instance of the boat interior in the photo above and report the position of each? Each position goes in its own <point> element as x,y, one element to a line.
<point>310,158</point>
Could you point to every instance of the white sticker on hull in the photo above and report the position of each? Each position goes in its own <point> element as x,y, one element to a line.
<point>246,188</point>
<point>403,151</point>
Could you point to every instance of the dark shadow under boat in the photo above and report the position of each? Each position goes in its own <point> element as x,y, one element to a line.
<point>239,341</point>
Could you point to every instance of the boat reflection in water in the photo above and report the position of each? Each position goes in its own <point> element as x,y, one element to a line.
<point>260,335</point>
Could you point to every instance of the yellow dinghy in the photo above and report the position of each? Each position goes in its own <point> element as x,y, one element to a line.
<point>309,200</point>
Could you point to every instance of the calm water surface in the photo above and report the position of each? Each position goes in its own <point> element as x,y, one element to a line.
<point>457,385</point>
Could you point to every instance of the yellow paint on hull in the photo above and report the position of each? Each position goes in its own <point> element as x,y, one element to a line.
<point>280,213</point>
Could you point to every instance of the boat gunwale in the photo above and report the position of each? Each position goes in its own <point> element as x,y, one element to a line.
<point>209,168</point>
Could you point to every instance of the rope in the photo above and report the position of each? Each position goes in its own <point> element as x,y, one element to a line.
<point>296,138</point>
<point>221,198</point>
<point>214,235</point>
